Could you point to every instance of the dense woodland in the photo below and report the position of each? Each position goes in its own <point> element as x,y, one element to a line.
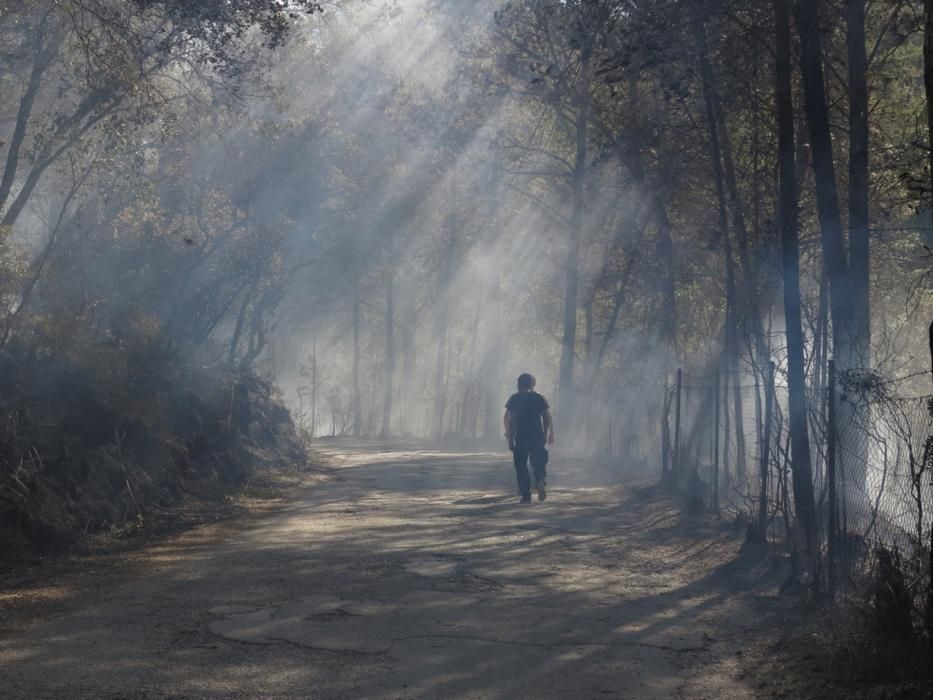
<point>379,212</point>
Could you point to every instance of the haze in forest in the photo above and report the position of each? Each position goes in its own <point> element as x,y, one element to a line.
<point>390,209</point>
<point>386,211</point>
<point>230,232</point>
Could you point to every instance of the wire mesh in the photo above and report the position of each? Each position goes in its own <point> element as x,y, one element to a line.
<point>881,498</point>
<point>715,450</point>
<point>884,487</point>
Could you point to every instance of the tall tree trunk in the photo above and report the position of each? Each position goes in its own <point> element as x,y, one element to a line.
<point>632,252</point>
<point>630,155</point>
<point>664,245</point>
<point>859,222</point>
<point>241,320</point>
<point>441,321</point>
<point>440,371</point>
<point>833,241</point>
<point>747,315</point>
<point>408,389</point>
<point>356,399</point>
<point>764,458</point>
<point>390,346</point>
<point>470,396</point>
<point>732,346</point>
<point>820,363</point>
<point>257,334</point>
<point>726,429</point>
<point>749,282</point>
<point>492,367</point>
<point>801,472</point>
<point>827,199</point>
<point>821,332</point>
<point>928,83</point>
<point>313,383</point>
<point>39,265</point>
<point>70,131</point>
<point>44,51</point>
<point>732,360</point>
<point>566,402</point>
<point>493,347</point>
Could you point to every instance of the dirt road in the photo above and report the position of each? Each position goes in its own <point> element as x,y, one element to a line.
<point>405,574</point>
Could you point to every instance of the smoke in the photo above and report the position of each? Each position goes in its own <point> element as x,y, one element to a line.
<point>425,168</point>
<point>377,216</point>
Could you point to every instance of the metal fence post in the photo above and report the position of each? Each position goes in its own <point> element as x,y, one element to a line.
<point>831,481</point>
<point>716,447</point>
<point>726,471</point>
<point>665,429</point>
<point>677,424</point>
<point>765,451</point>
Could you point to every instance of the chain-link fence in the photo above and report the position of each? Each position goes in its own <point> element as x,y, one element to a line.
<point>728,450</point>
<point>715,429</point>
<point>880,511</point>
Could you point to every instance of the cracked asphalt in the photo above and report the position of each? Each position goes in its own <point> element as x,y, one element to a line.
<point>406,573</point>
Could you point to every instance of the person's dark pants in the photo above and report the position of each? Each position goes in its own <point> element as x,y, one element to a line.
<point>537,455</point>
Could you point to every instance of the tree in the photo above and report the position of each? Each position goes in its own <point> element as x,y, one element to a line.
<point>928,86</point>
<point>560,67</point>
<point>804,504</point>
<point>859,223</point>
<point>817,116</point>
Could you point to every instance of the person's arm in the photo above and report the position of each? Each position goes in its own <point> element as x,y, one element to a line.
<point>548,426</point>
<point>507,422</point>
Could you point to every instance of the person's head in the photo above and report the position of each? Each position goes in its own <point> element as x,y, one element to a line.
<point>526,382</point>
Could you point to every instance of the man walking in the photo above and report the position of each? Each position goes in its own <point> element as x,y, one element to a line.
<point>528,427</point>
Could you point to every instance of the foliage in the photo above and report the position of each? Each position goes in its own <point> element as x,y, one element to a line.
<point>100,430</point>
<point>390,208</point>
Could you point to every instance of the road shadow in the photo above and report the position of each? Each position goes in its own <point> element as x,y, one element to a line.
<point>412,573</point>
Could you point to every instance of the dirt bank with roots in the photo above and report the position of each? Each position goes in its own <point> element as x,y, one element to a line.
<point>96,441</point>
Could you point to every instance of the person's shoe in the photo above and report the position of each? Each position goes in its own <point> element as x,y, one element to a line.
<point>542,492</point>
<point>526,499</point>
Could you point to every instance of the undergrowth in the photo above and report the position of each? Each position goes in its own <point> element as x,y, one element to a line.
<point>101,429</point>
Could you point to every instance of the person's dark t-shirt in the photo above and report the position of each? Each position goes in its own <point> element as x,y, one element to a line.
<point>527,410</point>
